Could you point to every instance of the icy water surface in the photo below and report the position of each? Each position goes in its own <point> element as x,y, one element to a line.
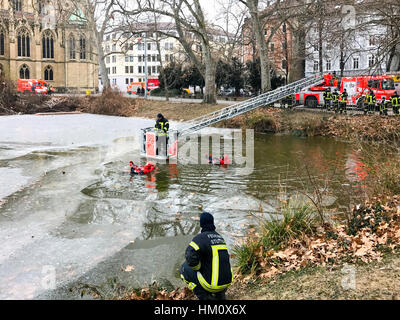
<point>69,207</point>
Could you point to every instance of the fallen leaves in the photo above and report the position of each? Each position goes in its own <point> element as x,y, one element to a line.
<point>364,244</point>
<point>160,294</point>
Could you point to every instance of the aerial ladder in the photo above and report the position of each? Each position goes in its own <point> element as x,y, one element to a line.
<point>148,138</point>
<point>267,98</point>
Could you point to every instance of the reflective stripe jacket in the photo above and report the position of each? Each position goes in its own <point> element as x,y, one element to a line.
<point>208,255</point>
<point>328,95</point>
<point>343,97</point>
<point>335,96</point>
<point>162,126</point>
<point>370,98</point>
<point>395,100</point>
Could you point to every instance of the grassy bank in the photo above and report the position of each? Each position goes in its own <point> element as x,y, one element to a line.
<point>349,127</point>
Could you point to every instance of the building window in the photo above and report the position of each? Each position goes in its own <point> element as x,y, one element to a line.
<point>24,43</point>
<point>140,58</point>
<point>72,47</point>
<point>153,69</point>
<point>131,69</point>
<point>272,47</point>
<point>328,65</point>
<point>126,69</point>
<point>372,41</point>
<point>114,59</point>
<point>130,58</point>
<point>2,43</point>
<point>114,48</point>
<point>24,72</point>
<point>167,57</point>
<point>114,70</point>
<point>48,74</point>
<point>356,63</point>
<point>149,70</point>
<point>371,61</point>
<point>158,69</point>
<point>316,66</point>
<point>17,5</point>
<point>140,69</point>
<point>82,48</point>
<point>153,58</point>
<point>47,45</point>
<point>108,59</point>
<point>131,80</point>
<point>127,81</point>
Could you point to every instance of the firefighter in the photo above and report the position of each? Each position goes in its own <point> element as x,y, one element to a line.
<point>161,128</point>
<point>327,99</point>
<point>335,100</point>
<point>343,101</point>
<point>207,270</point>
<point>395,100</point>
<point>371,101</point>
<point>291,101</point>
<point>383,106</point>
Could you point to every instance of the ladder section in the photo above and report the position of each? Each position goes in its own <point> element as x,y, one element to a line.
<point>248,105</point>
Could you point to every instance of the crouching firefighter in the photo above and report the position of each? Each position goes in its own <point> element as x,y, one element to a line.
<point>207,270</point>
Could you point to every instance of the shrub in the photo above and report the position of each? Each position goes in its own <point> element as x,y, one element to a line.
<point>111,102</point>
<point>297,219</point>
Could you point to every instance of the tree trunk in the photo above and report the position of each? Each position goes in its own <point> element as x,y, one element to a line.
<point>263,50</point>
<point>102,65</point>
<point>209,78</point>
<point>298,61</point>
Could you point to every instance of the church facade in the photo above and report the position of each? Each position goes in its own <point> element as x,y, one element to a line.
<point>42,40</point>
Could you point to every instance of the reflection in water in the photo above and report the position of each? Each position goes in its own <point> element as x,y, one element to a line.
<point>155,228</point>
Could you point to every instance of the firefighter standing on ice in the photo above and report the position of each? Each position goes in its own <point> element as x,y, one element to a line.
<point>207,270</point>
<point>161,128</point>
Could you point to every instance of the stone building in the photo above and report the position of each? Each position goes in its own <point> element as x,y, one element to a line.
<point>38,41</point>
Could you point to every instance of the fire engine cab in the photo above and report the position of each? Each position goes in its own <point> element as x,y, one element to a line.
<point>356,87</point>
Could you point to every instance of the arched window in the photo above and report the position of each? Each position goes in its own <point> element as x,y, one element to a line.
<point>2,43</point>
<point>82,47</point>
<point>48,73</point>
<point>47,45</point>
<point>71,47</point>
<point>24,43</point>
<point>24,72</point>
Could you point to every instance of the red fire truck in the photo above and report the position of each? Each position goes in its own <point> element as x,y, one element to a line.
<point>134,86</point>
<point>33,86</point>
<point>357,87</point>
